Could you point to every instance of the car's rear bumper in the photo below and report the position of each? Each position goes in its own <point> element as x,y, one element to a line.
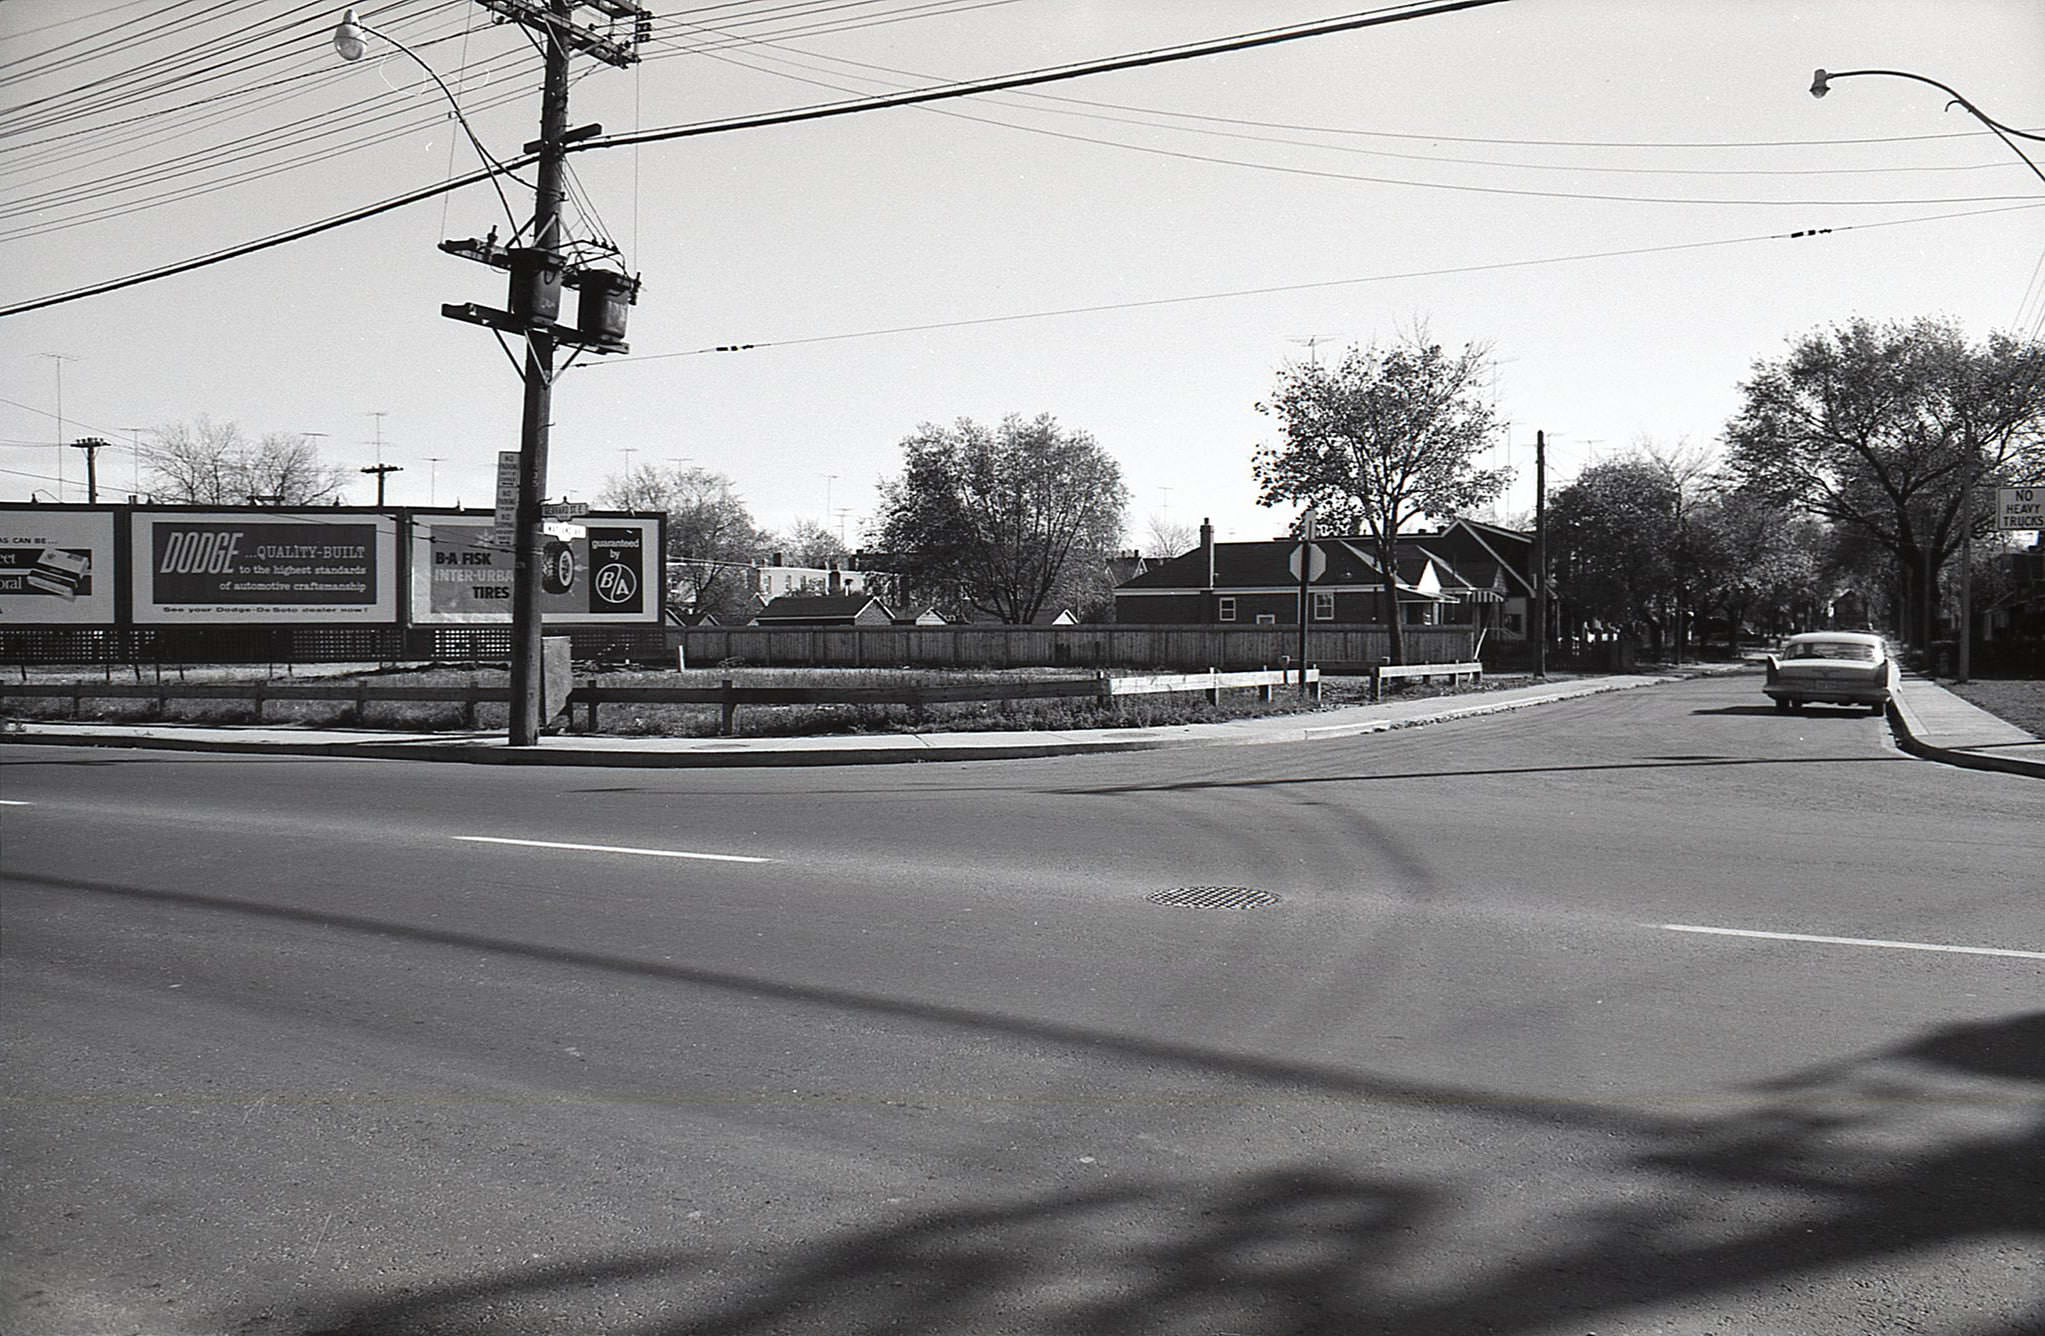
<point>1830,693</point>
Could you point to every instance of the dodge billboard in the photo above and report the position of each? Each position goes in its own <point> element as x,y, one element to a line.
<point>305,566</point>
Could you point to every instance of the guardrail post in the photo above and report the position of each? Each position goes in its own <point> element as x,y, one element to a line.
<point>589,685</point>
<point>362,703</point>
<point>1377,684</point>
<point>1105,686</point>
<point>78,703</point>
<point>1264,687</point>
<point>1213,686</point>
<point>1317,680</point>
<point>259,700</point>
<point>729,707</point>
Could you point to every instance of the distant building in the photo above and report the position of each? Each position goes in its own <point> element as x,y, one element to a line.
<point>1464,575</point>
<point>824,610</point>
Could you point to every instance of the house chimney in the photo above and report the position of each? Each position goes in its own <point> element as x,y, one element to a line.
<point>777,559</point>
<point>835,581</point>
<point>1207,549</point>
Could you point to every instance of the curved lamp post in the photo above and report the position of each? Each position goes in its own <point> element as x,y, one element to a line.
<point>350,45</point>
<point>1821,84</point>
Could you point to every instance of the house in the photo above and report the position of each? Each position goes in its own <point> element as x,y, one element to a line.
<point>769,579</point>
<point>1253,583</point>
<point>1497,558</point>
<point>824,610</point>
<point>927,617</point>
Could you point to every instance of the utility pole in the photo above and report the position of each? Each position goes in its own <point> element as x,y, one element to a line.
<point>539,270</point>
<point>381,470</point>
<point>91,445</point>
<point>1540,627</point>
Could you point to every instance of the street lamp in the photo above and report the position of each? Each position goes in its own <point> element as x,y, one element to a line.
<point>1821,84</point>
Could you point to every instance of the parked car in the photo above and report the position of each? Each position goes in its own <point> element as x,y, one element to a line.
<point>1831,668</point>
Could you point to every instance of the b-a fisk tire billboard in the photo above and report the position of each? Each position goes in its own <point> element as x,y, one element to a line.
<point>602,570</point>
<point>325,567</point>
<point>56,568</point>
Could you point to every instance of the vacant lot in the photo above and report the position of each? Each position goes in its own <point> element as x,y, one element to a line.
<point>661,720</point>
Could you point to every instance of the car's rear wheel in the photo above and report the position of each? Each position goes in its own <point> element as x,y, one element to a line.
<point>1877,709</point>
<point>1782,705</point>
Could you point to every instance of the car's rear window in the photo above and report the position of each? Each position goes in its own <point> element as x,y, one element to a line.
<point>1832,649</point>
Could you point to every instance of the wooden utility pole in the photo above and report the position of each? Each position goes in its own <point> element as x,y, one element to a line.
<point>1540,627</point>
<point>381,471</point>
<point>91,445</point>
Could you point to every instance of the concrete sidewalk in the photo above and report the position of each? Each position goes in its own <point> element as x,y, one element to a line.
<point>1934,723</point>
<point>856,749</point>
<point>1929,720</point>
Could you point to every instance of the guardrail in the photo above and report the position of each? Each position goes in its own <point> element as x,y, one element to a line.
<point>1455,672</point>
<point>728,695</point>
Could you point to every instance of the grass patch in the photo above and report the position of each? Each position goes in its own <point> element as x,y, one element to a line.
<point>2020,701</point>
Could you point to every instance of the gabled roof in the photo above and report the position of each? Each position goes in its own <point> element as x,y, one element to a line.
<point>820,608</point>
<point>1268,565</point>
<point>1510,548</point>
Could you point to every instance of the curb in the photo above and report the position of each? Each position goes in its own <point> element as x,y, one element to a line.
<point>744,755</point>
<point>1904,722</point>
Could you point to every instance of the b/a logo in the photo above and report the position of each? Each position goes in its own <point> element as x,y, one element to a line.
<point>616,583</point>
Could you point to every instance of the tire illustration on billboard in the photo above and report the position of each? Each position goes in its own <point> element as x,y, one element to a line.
<point>557,567</point>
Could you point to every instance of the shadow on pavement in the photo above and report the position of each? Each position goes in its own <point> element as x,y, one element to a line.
<point>1724,1224</point>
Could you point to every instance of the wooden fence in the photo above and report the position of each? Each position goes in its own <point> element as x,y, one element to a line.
<point>1184,648</point>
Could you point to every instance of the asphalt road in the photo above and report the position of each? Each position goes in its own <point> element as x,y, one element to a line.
<point>350,1046</point>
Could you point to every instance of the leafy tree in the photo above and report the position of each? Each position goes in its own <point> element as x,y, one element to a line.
<point>212,463</point>
<point>1387,436</point>
<point>1757,562</point>
<point>1879,428</point>
<point>1008,521</point>
<point>1610,536</point>
<point>808,543</point>
<point>711,537</point>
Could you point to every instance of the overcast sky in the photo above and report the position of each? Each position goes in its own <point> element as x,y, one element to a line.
<point>1602,191</point>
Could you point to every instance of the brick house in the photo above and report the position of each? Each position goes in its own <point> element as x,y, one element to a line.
<point>1253,584</point>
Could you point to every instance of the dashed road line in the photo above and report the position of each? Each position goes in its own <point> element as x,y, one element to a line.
<point>2010,952</point>
<point>611,849</point>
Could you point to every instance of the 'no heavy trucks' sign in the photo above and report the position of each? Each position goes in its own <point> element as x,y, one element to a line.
<point>2020,508</point>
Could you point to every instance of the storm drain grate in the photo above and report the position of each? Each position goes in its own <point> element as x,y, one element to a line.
<point>1213,897</point>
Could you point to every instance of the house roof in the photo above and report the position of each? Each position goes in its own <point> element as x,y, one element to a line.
<point>1268,565</point>
<point>820,608</point>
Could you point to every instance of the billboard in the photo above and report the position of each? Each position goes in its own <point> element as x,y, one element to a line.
<point>267,567</point>
<point>606,570</point>
<point>56,568</point>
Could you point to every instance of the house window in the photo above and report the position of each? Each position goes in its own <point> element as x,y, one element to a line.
<point>1225,609</point>
<point>1267,619</point>
<point>1324,606</point>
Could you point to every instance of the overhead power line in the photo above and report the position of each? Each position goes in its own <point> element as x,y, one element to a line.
<point>1191,51</point>
<point>1273,289</point>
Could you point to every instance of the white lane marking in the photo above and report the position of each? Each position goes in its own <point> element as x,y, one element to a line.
<point>1858,941</point>
<point>14,802</point>
<point>613,849</point>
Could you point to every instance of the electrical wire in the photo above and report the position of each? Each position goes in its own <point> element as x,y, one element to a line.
<point>1272,290</point>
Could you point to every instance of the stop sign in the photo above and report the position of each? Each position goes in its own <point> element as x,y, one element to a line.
<point>1316,560</point>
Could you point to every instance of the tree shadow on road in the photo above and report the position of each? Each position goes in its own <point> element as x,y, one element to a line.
<point>1931,1150</point>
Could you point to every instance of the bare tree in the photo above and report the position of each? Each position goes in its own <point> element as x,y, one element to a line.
<point>204,462</point>
<point>1166,538</point>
